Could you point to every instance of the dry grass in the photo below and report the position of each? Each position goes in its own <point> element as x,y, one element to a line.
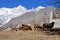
<point>27,35</point>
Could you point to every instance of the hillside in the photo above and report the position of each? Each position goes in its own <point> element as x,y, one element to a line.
<point>28,35</point>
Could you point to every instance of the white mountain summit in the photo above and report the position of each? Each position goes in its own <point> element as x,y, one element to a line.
<point>9,13</point>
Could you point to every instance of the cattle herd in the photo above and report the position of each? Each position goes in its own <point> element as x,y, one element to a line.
<point>46,26</point>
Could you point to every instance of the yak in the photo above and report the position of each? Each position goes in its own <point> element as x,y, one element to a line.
<point>48,26</point>
<point>36,27</point>
<point>25,27</point>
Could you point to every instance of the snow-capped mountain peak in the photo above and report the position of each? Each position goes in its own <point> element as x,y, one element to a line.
<point>9,13</point>
<point>36,9</point>
<point>39,7</point>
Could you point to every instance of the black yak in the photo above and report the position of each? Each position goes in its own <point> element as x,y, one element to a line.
<point>48,26</point>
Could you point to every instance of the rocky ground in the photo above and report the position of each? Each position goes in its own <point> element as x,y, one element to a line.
<point>29,35</point>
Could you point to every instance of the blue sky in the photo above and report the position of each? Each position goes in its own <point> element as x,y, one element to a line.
<point>27,3</point>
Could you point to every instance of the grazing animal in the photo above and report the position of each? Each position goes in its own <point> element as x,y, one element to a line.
<point>26,27</point>
<point>48,26</point>
<point>14,28</point>
<point>36,27</point>
<point>20,28</point>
